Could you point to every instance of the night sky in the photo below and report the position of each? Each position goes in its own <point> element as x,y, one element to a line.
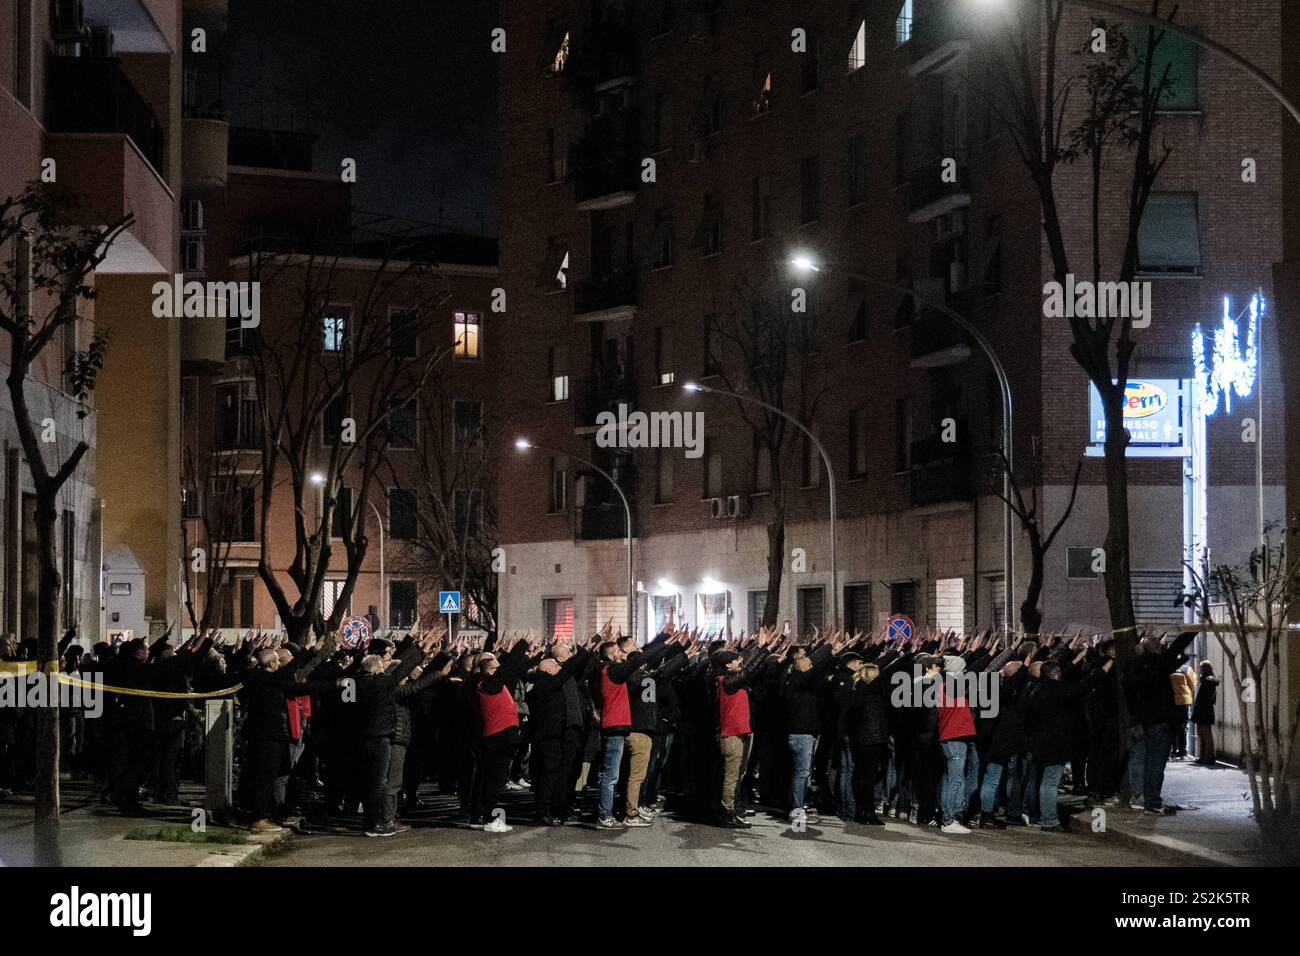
<point>406,87</point>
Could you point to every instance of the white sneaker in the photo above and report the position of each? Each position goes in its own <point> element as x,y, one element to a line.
<point>955,828</point>
<point>512,786</point>
<point>646,815</point>
<point>497,825</point>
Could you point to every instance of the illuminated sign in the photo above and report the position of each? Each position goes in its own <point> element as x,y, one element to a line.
<point>1153,413</point>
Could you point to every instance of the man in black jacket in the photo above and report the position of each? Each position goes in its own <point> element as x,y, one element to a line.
<point>1049,721</point>
<point>1151,705</point>
<point>267,685</point>
<point>556,718</point>
<point>801,688</point>
<point>376,702</point>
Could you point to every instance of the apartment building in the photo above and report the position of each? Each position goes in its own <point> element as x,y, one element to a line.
<point>88,97</point>
<point>656,158</point>
<point>264,199</point>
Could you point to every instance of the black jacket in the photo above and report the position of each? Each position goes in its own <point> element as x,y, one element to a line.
<point>548,704</point>
<point>266,715</point>
<point>866,716</point>
<point>801,693</point>
<point>1207,695</point>
<point>376,694</point>
<point>1049,719</point>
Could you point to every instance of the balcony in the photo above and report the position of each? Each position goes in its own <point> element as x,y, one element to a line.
<point>930,196</point>
<point>591,398</point>
<point>941,471</point>
<point>606,163</point>
<point>600,514</point>
<point>606,57</point>
<point>603,522</point>
<point>93,95</point>
<point>605,298</point>
<point>939,41</point>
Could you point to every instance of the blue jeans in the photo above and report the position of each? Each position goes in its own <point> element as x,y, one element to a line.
<point>801,755</point>
<point>1160,738</point>
<point>1137,761</point>
<point>611,759</point>
<point>1047,794</point>
<point>846,806</point>
<point>961,774</point>
<point>989,790</point>
<point>1030,780</point>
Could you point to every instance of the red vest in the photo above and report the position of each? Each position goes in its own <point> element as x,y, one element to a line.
<point>615,711</point>
<point>955,719</point>
<point>733,711</point>
<point>498,710</point>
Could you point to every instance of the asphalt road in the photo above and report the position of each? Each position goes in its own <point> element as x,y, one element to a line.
<point>434,840</point>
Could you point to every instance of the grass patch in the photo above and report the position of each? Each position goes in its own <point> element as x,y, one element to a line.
<point>182,833</point>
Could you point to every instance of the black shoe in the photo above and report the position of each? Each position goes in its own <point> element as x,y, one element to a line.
<point>872,820</point>
<point>989,822</point>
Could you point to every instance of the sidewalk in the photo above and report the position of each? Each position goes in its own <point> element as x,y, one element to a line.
<point>94,834</point>
<point>1214,826</point>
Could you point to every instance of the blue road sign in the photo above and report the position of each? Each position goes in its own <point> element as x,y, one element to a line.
<point>899,628</point>
<point>449,602</point>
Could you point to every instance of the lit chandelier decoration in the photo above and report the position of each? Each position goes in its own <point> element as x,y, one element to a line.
<point>1234,370</point>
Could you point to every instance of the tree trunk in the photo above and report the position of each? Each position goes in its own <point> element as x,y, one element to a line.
<point>46,783</point>
<point>1119,588</point>
<point>775,567</point>
<point>1031,619</point>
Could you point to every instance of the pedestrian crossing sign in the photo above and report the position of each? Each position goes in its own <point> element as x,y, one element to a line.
<point>449,602</point>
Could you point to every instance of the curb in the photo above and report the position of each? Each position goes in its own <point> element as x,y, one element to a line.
<point>1168,846</point>
<point>249,853</point>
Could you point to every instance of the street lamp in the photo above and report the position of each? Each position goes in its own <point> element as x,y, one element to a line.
<point>523,444</point>
<point>826,459</point>
<point>316,478</point>
<point>805,263</point>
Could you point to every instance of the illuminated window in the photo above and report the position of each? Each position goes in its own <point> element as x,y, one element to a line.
<point>903,25</point>
<point>858,51</point>
<point>562,54</point>
<point>466,330</point>
<point>333,331</point>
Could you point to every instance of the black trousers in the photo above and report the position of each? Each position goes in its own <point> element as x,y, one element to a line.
<point>399,756</point>
<point>169,744</point>
<point>265,760</point>
<point>491,771</point>
<point>925,776</point>
<point>133,755</point>
<point>867,761</point>
<point>379,755</point>
<point>555,765</point>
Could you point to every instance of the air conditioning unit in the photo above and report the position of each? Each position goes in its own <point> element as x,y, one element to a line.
<point>738,506</point>
<point>718,507</point>
<point>69,19</point>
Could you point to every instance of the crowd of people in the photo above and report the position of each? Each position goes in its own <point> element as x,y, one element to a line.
<point>945,731</point>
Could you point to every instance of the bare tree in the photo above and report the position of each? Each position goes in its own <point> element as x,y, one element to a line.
<point>334,371</point>
<point>1258,601</point>
<point>763,343</point>
<point>216,481</point>
<point>41,285</point>
<point>457,516</point>
<point>1027,512</point>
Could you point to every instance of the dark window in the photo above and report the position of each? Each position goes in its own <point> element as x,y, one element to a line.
<point>903,435</point>
<point>708,237</point>
<point>712,346</point>
<point>810,611</point>
<point>557,156</point>
<point>341,519</point>
<point>810,189</point>
<point>1169,239</point>
<point>1079,562</point>
<point>712,470</point>
<point>401,604</point>
<point>332,419</point>
<point>858,443</point>
<point>809,65</point>
<point>857,608</point>
<point>762,82</point>
<point>402,514</point>
<point>663,476</point>
<point>662,134</point>
<point>403,340</point>
<point>1175,69</point>
<point>757,605</point>
<point>662,241</point>
<point>401,423</point>
<point>237,416</point>
<point>902,598</point>
<point>469,422</point>
<point>858,314</point>
<point>762,208</point>
<point>246,603</point>
<point>557,494</point>
<point>856,173</point>
<point>245,524</point>
<point>664,374</point>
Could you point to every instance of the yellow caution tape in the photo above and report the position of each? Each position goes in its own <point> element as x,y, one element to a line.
<point>29,667</point>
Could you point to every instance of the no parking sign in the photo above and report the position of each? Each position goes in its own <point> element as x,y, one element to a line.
<point>356,632</point>
<point>899,628</point>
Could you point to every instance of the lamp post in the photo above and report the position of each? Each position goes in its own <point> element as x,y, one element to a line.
<point>830,475</point>
<point>523,444</point>
<point>806,263</point>
<point>317,479</point>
